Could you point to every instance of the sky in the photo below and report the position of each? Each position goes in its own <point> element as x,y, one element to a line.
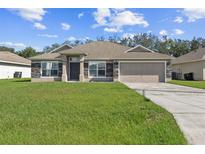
<point>20,28</point>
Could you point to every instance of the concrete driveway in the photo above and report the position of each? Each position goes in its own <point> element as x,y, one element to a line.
<point>185,103</point>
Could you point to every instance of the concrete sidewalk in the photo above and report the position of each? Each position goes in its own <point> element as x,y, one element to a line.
<point>185,103</point>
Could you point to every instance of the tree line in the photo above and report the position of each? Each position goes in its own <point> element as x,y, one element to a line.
<point>165,45</point>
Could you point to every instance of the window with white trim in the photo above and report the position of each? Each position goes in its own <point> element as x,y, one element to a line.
<point>97,69</point>
<point>49,68</point>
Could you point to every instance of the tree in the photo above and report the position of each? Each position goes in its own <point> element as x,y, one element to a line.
<point>195,44</point>
<point>27,52</point>
<point>3,48</point>
<point>101,38</point>
<point>50,48</point>
<point>165,45</point>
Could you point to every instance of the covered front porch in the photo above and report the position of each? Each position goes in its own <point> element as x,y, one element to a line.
<point>73,67</point>
<point>76,68</point>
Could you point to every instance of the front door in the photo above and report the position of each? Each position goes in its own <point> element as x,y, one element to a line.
<point>74,70</point>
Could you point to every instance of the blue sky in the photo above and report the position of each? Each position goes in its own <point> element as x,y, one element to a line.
<point>41,27</point>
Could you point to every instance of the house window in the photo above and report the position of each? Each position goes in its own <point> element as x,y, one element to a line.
<point>50,68</point>
<point>97,69</point>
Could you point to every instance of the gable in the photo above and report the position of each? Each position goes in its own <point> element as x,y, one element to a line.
<point>139,48</point>
<point>61,48</point>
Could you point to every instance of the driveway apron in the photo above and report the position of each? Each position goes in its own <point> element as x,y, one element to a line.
<point>185,103</point>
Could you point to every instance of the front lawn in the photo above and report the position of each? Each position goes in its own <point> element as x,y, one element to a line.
<point>81,113</point>
<point>194,84</point>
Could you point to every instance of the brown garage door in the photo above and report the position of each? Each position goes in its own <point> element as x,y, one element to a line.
<point>142,71</point>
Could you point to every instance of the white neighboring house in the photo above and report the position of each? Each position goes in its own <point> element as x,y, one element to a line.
<point>11,63</point>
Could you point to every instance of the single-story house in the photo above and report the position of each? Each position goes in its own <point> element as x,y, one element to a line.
<point>100,61</point>
<point>11,63</point>
<point>193,62</point>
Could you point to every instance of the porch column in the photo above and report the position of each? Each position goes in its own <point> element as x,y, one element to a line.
<point>64,68</point>
<point>81,77</point>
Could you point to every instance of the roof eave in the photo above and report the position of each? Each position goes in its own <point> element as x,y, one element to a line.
<point>60,47</point>
<point>9,62</point>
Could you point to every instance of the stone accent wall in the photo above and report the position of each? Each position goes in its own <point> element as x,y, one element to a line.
<point>115,70</point>
<point>60,69</point>
<point>109,69</point>
<point>36,69</point>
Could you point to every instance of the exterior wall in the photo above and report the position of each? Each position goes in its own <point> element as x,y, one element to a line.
<point>195,67</point>
<point>112,72</point>
<point>36,73</point>
<point>204,70</point>
<point>107,79</point>
<point>168,71</point>
<point>46,79</point>
<point>7,70</point>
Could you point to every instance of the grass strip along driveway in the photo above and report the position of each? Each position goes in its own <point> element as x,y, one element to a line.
<point>81,113</point>
<point>194,84</point>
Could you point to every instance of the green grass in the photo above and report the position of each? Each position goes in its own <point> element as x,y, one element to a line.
<point>195,84</point>
<point>81,113</point>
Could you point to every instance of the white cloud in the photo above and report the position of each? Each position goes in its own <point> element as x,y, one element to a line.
<point>71,38</point>
<point>116,19</point>
<point>13,45</point>
<point>178,19</point>
<point>194,14</point>
<point>65,26</point>
<point>117,10</point>
<point>149,31</point>
<point>163,32</point>
<point>100,15</point>
<point>128,35</point>
<point>39,26</point>
<point>128,18</point>
<point>112,30</point>
<point>87,38</point>
<point>178,31</point>
<point>30,14</point>
<point>80,15</point>
<point>48,35</point>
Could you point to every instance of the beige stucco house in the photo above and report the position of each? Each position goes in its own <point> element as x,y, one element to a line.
<point>193,62</point>
<point>100,61</point>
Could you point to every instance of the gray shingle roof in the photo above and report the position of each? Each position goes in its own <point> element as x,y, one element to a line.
<point>197,55</point>
<point>106,50</point>
<point>47,56</point>
<point>8,57</point>
<point>109,50</point>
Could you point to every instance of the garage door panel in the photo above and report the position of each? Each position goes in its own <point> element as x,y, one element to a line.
<point>140,78</point>
<point>130,69</point>
<point>142,72</point>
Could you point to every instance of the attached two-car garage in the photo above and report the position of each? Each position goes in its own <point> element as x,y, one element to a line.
<point>142,71</point>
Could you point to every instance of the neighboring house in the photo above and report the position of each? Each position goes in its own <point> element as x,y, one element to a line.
<point>100,61</point>
<point>11,63</point>
<point>193,62</point>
